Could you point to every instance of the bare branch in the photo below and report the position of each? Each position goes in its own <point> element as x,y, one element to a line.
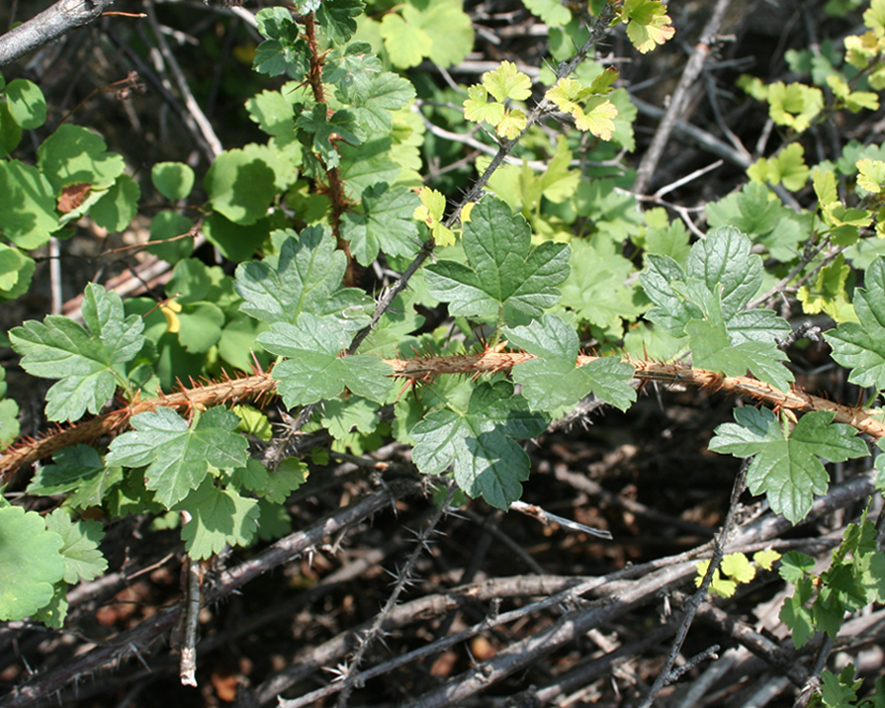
<point>48,26</point>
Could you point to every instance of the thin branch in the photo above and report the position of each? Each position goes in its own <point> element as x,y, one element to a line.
<point>667,675</point>
<point>692,70</point>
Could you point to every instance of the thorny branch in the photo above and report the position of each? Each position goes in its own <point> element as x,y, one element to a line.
<point>867,421</point>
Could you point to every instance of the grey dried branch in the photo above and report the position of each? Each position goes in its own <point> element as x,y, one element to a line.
<point>49,25</point>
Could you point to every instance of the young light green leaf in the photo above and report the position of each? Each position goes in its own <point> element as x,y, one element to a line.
<point>219,517</point>
<point>479,442</point>
<point>507,82</point>
<point>738,567</point>
<point>786,465</point>
<point>177,456</point>
<point>597,117</point>
<point>512,124</point>
<point>505,273</point>
<point>649,24</point>
<point>83,560</point>
<point>383,222</point>
<point>304,275</point>
<point>30,563</point>
<point>554,383</point>
<point>860,346</point>
<point>430,212</point>
<point>794,105</point>
<point>478,108</point>
<point>871,175</point>
<point>89,361</point>
<point>315,370</point>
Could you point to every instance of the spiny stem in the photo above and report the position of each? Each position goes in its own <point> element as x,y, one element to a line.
<point>260,385</point>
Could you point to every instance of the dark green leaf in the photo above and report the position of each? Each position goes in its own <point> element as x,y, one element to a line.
<point>505,275</point>
<point>384,222</point>
<point>315,370</point>
<point>785,465</point>
<point>479,442</point>
<point>177,457</point>
<point>88,363</point>
<point>553,383</point>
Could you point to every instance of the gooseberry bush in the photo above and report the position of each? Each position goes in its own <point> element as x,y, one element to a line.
<point>355,303</point>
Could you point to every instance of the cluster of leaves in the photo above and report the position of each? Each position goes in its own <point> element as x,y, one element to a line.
<point>840,691</point>
<point>735,569</point>
<point>855,578</point>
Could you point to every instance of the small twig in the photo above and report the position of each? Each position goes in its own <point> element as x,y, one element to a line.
<point>549,519</point>
<point>191,600</point>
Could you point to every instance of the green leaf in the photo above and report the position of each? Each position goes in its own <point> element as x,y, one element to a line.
<point>479,442</point>
<point>861,346</point>
<point>83,560</point>
<point>799,619</point>
<point>320,128</point>
<point>439,30</point>
<point>303,276</point>
<point>553,382</point>
<point>785,464</point>
<point>794,105</point>
<point>315,370</point>
<point>551,12</point>
<point>88,362</point>
<point>373,101</point>
<point>16,271</point>
<point>595,288</point>
<point>507,82</point>
<point>26,103</point>
<point>706,301</point>
<point>219,517</point>
<point>174,180</point>
<point>871,175</point>
<point>505,274</point>
<point>117,207</point>
<point>170,239</point>
<point>284,51</point>
<point>237,243</point>
<point>335,17</point>
<point>383,223</point>
<point>78,469</point>
<point>289,475</point>
<point>341,417</point>
<point>10,131</point>
<point>75,155</point>
<point>177,457</point>
<point>27,205</point>
<point>30,563</point>
<point>240,186</point>
<point>795,566</point>
<point>200,326</point>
